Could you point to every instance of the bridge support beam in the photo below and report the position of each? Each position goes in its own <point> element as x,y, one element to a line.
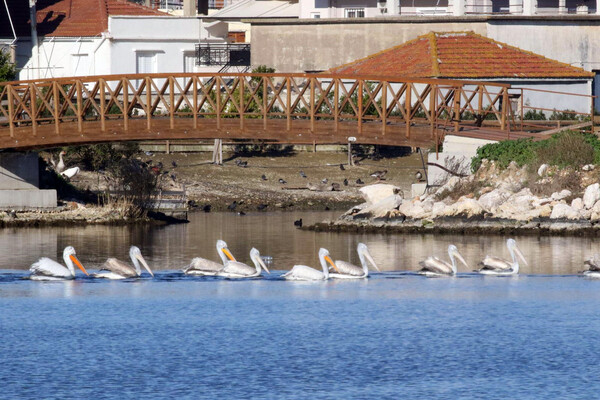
<point>19,183</point>
<point>217,157</point>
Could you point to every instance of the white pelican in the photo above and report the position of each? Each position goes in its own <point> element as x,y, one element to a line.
<point>498,266</point>
<point>46,269</point>
<point>202,266</point>
<point>236,269</point>
<point>115,269</point>
<point>593,265</point>
<point>305,273</point>
<point>350,271</point>
<point>433,266</point>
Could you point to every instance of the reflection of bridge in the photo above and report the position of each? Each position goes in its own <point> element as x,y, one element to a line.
<point>283,108</point>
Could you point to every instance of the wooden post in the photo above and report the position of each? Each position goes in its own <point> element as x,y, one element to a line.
<point>522,116</point>
<point>102,106</point>
<point>504,109</point>
<point>195,100</point>
<point>265,99</point>
<point>480,102</point>
<point>218,92</point>
<point>336,105</point>
<point>171,102</point>
<point>456,112</point>
<point>289,104</point>
<point>383,107</point>
<point>432,108</point>
<point>217,157</point>
<point>125,86</point>
<point>148,103</point>
<point>33,109</point>
<point>55,105</point>
<point>408,106</point>
<point>11,110</point>
<point>360,105</point>
<point>241,105</point>
<point>350,160</point>
<point>79,106</point>
<point>312,105</point>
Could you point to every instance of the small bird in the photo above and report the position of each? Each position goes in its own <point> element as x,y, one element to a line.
<point>71,172</point>
<point>261,207</point>
<point>12,214</point>
<point>149,153</point>
<point>241,213</point>
<point>174,177</point>
<point>282,181</point>
<point>419,176</point>
<point>174,164</point>
<point>324,180</point>
<point>379,174</point>
<point>359,182</point>
<point>327,208</point>
<point>241,164</point>
<point>263,177</point>
<point>345,182</point>
<point>298,223</point>
<point>342,167</point>
<point>232,206</point>
<point>335,186</point>
<point>302,174</point>
<point>206,208</point>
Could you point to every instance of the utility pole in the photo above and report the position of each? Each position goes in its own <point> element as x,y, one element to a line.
<point>35,53</point>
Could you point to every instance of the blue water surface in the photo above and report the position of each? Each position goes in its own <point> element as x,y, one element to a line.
<point>392,336</point>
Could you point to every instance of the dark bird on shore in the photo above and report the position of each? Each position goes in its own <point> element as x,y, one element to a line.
<point>149,153</point>
<point>359,182</point>
<point>302,174</point>
<point>298,223</point>
<point>206,208</point>
<point>12,214</point>
<point>232,206</point>
<point>241,213</point>
<point>324,180</point>
<point>419,176</point>
<point>174,177</point>
<point>379,174</point>
<point>345,182</point>
<point>263,177</point>
<point>335,186</point>
<point>282,181</point>
<point>174,164</point>
<point>342,167</point>
<point>261,207</point>
<point>160,165</point>
<point>240,163</point>
<point>327,208</point>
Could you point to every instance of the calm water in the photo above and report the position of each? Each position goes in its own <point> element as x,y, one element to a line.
<point>395,335</point>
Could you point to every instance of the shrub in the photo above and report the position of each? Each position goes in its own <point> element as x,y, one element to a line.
<point>569,149</point>
<point>101,156</point>
<point>522,151</point>
<point>535,115</point>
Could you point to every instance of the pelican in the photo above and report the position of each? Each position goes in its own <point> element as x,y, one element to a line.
<point>498,266</point>
<point>46,269</point>
<point>202,266</point>
<point>593,265</point>
<point>115,269</point>
<point>304,273</point>
<point>236,269</point>
<point>350,271</point>
<point>433,266</point>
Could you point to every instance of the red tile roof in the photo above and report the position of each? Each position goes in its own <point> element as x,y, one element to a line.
<point>459,55</point>
<point>68,18</point>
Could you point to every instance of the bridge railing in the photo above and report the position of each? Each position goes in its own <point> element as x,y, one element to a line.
<point>287,104</point>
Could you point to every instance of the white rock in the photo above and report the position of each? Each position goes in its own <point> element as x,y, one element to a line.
<point>438,209</point>
<point>377,192</point>
<point>564,211</point>
<point>383,207</point>
<point>588,167</point>
<point>563,194</point>
<point>591,195</point>
<point>413,209</point>
<point>464,207</point>
<point>490,201</point>
<point>577,204</point>
<point>450,185</point>
<point>542,170</point>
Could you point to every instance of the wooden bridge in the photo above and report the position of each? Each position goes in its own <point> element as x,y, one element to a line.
<point>279,108</point>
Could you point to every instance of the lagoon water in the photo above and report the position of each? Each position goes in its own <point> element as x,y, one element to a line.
<point>395,335</point>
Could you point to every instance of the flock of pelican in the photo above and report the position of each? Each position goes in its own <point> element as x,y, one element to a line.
<point>48,269</point>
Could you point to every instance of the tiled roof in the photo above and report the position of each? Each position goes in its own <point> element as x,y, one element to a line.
<point>68,18</point>
<point>459,55</point>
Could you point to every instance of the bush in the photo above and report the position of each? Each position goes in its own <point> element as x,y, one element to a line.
<point>522,151</point>
<point>101,156</point>
<point>569,149</point>
<point>533,115</point>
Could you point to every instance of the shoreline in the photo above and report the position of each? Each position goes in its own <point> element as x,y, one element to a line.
<point>467,226</point>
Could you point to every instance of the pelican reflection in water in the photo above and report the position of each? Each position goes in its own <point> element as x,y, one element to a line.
<point>498,266</point>
<point>116,269</point>
<point>202,266</point>
<point>351,271</point>
<point>236,269</point>
<point>46,269</point>
<point>305,273</point>
<point>433,266</point>
<point>593,267</point>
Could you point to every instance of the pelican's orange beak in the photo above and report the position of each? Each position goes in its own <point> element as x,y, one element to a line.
<point>76,261</point>
<point>330,261</point>
<point>228,254</point>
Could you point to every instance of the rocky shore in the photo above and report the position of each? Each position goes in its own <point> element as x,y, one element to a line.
<point>515,200</point>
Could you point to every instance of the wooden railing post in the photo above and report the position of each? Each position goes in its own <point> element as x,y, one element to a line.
<point>432,108</point>
<point>56,108</point>
<point>383,107</point>
<point>171,102</point>
<point>33,97</point>
<point>289,104</point>
<point>148,102</point>
<point>241,104</point>
<point>102,105</point>
<point>265,100</point>
<point>218,93</point>
<point>408,107</point>
<point>336,104</point>
<point>312,105</point>
<point>125,86</point>
<point>79,106</point>
<point>195,100</point>
<point>360,105</point>
<point>480,102</point>
<point>505,108</point>
<point>11,110</point>
<point>456,112</point>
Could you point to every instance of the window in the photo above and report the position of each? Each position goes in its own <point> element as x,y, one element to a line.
<point>355,12</point>
<point>315,15</point>
<point>145,62</point>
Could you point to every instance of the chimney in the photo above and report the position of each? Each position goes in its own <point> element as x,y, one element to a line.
<point>189,8</point>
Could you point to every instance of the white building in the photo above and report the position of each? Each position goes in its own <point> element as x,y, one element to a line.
<point>102,37</point>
